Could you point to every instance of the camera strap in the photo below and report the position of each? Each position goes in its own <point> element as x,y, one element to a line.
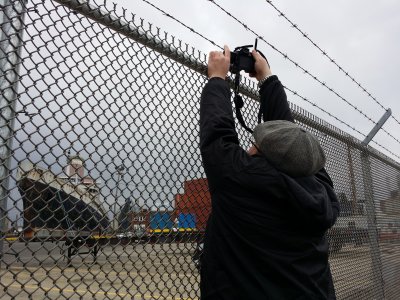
<point>239,103</point>
<point>239,100</point>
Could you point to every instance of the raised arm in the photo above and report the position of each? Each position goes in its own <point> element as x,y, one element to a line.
<point>218,138</point>
<point>273,101</point>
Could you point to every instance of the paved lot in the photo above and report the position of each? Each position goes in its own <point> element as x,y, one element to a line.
<point>158,272</point>
<point>352,269</point>
<point>121,272</point>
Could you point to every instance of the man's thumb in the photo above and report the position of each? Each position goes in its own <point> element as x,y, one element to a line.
<point>255,54</point>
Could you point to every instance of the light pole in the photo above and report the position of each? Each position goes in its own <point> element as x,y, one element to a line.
<point>120,169</point>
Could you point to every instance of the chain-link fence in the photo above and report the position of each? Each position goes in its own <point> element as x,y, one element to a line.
<point>103,193</point>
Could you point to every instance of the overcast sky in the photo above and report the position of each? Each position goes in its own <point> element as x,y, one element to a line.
<point>361,36</point>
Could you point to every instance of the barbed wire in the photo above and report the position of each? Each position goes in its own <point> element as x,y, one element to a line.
<point>183,24</point>
<point>337,119</point>
<point>295,93</point>
<point>292,61</point>
<point>300,67</point>
<point>324,53</point>
<point>376,143</point>
<point>324,111</point>
<point>383,147</point>
<point>213,43</point>
<point>389,134</point>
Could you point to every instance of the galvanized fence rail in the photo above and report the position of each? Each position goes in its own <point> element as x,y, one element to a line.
<point>103,193</point>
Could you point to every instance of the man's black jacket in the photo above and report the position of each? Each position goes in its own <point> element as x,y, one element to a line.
<point>265,238</point>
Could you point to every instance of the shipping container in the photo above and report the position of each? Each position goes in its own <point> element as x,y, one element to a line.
<point>196,186</point>
<point>195,200</point>
<point>161,221</point>
<point>186,220</point>
<point>201,212</point>
<point>192,200</point>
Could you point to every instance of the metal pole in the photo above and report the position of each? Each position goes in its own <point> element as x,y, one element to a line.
<point>12,17</point>
<point>377,127</point>
<point>119,170</point>
<point>372,227</point>
<point>352,182</point>
<point>114,220</point>
<point>370,208</point>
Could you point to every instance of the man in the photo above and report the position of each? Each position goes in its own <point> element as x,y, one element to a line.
<point>265,238</point>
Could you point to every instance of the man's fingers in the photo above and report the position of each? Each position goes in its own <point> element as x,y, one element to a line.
<point>218,63</point>
<point>214,54</point>
<point>227,52</point>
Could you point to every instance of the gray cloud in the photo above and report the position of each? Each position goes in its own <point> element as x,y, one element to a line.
<point>362,36</point>
<point>115,102</point>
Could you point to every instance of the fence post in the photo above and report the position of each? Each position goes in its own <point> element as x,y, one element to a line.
<point>11,18</point>
<point>372,228</point>
<point>352,181</point>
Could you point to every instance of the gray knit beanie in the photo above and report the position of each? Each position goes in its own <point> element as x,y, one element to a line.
<point>289,148</point>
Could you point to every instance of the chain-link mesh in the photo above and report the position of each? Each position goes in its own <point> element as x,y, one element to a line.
<point>103,193</point>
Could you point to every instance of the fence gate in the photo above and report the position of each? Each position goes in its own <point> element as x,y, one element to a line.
<point>103,194</point>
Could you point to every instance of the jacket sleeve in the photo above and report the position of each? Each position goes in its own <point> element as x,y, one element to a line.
<point>273,101</point>
<point>218,138</point>
<point>274,106</point>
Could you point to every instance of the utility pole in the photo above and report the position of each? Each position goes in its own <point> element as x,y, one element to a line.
<point>120,169</point>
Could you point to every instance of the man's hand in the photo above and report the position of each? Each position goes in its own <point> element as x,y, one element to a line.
<point>261,66</point>
<point>218,63</point>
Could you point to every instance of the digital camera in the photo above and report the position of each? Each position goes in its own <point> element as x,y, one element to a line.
<point>242,59</point>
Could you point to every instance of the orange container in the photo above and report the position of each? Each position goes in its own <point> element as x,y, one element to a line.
<point>196,200</point>
<point>192,200</point>
<point>196,186</point>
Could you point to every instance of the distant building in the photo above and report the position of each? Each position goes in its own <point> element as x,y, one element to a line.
<point>75,174</point>
<point>132,219</point>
